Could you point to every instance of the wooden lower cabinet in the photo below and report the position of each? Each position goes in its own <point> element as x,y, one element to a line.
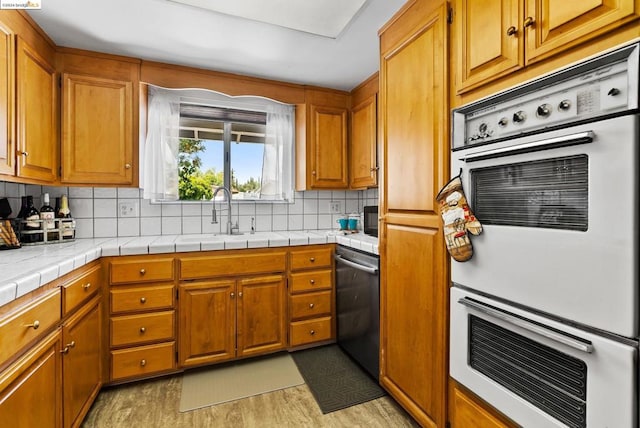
<point>224,319</point>
<point>81,361</point>
<point>468,411</point>
<point>31,388</point>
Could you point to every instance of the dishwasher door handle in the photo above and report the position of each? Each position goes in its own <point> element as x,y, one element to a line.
<point>367,269</point>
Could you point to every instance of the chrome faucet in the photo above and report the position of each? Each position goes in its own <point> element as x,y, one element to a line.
<point>231,229</point>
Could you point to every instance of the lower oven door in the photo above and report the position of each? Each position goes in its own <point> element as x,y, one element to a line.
<point>538,372</point>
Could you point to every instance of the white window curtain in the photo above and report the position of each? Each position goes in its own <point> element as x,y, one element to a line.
<point>277,165</point>
<point>160,167</point>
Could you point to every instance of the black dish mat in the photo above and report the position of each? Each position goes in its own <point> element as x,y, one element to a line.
<point>335,381</point>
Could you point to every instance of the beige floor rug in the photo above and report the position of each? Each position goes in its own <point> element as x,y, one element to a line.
<point>233,381</point>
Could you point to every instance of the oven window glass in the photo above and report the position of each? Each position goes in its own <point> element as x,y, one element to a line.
<point>547,378</point>
<point>550,193</point>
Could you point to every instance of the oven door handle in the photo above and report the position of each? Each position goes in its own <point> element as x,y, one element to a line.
<point>580,345</point>
<point>534,146</point>
<point>367,269</point>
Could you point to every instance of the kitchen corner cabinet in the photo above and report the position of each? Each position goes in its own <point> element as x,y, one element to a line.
<point>31,388</point>
<point>142,316</point>
<point>321,141</point>
<point>468,411</point>
<point>7,91</point>
<point>363,155</point>
<point>98,119</point>
<point>496,37</point>
<point>413,259</point>
<point>37,114</point>
<point>232,304</point>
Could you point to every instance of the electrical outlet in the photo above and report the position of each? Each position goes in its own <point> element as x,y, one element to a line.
<point>127,209</point>
<point>335,207</point>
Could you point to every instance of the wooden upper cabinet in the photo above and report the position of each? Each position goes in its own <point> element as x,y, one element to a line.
<point>99,125</point>
<point>7,76</point>
<point>321,143</point>
<point>97,136</point>
<point>556,25</point>
<point>37,115</point>
<point>363,156</point>
<point>493,38</point>
<point>487,40</point>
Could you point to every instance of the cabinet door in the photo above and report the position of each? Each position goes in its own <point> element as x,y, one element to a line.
<point>488,41</point>
<point>468,412</point>
<point>81,361</point>
<point>556,25</point>
<point>328,147</point>
<point>31,389</point>
<point>37,115</point>
<point>97,140</point>
<point>413,275</point>
<point>261,315</point>
<point>7,150</point>
<point>363,159</point>
<point>207,332</point>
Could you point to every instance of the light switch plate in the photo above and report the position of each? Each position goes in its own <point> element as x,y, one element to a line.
<point>127,209</point>
<point>335,207</point>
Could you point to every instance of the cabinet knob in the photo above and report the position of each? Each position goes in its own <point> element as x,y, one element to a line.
<point>312,259</point>
<point>233,294</point>
<point>511,31</point>
<point>312,332</point>
<point>86,286</point>
<point>72,344</point>
<point>311,305</point>
<point>35,325</point>
<point>143,330</point>
<point>68,346</point>
<point>65,350</point>
<point>24,153</point>
<point>312,281</point>
<point>374,169</point>
<point>313,173</point>
<point>142,271</point>
<point>143,300</point>
<point>240,294</point>
<point>143,363</point>
<point>528,22</point>
<point>127,166</point>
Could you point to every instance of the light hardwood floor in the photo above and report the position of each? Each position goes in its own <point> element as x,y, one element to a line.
<point>155,403</point>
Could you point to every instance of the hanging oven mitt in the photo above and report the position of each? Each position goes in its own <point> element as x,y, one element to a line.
<point>458,220</point>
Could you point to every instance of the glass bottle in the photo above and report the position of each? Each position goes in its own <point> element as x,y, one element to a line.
<point>31,217</point>
<point>67,224</point>
<point>47,214</point>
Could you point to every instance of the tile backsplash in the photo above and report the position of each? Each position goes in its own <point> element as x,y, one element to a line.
<point>113,212</point>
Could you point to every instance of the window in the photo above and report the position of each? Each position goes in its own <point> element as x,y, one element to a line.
<point>199,140</point>
<point>220,147</point>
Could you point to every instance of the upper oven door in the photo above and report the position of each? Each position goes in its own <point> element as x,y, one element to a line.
<point>559,216</point>
<point>538,372</point>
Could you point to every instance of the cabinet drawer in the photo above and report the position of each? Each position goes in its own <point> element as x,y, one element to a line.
<point>313,330</point>
<point>142,298</point>
<point>311,281</point>
<point>130,329</point>
<point>142,360</point>
<point>311,258</point>
<point>20,328</point>
<point>123,271</point>
<point>80,289</point>
<point>230,264</point>
<point>310,305</point>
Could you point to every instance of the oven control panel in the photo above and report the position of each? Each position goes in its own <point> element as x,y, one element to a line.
<point>562,98</point>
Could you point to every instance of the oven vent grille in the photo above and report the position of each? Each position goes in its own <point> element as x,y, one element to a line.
<point>550,380</point>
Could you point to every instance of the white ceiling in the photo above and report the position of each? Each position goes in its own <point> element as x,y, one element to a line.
<point>167,31</point>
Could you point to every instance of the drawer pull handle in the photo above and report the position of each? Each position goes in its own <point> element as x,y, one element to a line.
<point>143,330</point>
<point>312,259</point>
<point>311,305</point>
<point>142,271</point>
<point>312,281</point>
<point>35,325</point>
<point>86,286</point>
<point>143,363</point>
<point>143,300</point>
<point>312,332</point>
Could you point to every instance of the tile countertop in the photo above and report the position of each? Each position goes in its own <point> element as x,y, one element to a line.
<point>30,267</point>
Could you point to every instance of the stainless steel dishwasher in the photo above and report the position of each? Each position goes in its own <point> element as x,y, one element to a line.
<point>358,307</point>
